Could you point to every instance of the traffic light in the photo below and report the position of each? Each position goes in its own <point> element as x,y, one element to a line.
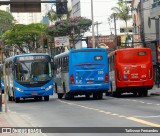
<point>45,42</point>
<point>118,40</point>
<point>61,8</point>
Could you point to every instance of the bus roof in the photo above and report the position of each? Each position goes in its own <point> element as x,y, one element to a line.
<point>126,49</point>
<point>25,54</point>
<point>79,50</point>
<point>131,49</point>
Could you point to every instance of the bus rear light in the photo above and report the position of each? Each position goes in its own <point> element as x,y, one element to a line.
<point>150,73</point>
<point>106,78</point>
<point>72,79</point>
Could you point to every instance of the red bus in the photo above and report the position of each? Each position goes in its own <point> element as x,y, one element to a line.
<point>131,71</point>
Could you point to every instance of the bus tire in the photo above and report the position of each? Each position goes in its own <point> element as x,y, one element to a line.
<point>145,93</point>
<point>87,96</point>
<point>46,98</point>
<point>100,96</point>
<point>60,95</point>
<point>9,97</point>
<point>116,94</point>
<point>95,96</point>
<point>17,100</point>
<point>36,99</point>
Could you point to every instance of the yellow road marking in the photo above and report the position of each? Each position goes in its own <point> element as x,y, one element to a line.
<point>143,122</point>
<point>114,114</point>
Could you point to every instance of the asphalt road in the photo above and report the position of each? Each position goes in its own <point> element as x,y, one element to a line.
<point>126,111</point>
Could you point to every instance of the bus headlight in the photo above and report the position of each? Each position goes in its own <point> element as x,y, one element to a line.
<point>18,89</point>
<point>49,87</point>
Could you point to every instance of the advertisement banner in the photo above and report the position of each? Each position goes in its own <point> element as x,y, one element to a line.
<point>102,41</point>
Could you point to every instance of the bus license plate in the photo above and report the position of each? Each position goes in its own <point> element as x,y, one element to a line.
<point>34,94</point>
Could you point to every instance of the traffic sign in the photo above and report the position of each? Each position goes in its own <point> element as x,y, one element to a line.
<point>61,41</point>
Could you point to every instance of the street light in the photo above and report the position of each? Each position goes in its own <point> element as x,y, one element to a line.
<point>93,38</point>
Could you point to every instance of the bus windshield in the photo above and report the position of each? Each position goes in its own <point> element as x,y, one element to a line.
<point>33,71</point>
<point>133,56</point>
<point>87,58</point>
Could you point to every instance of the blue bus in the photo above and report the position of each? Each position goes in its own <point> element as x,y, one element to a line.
<point>29,76</point>
<point>82,71</point>
<point>1,78</point>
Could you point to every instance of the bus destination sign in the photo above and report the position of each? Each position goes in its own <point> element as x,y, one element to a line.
<point>28,58</point>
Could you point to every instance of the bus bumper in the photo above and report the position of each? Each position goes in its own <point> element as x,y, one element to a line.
<point>90,88</point>
<point>29,94</point>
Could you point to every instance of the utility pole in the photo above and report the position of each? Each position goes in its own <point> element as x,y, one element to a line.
<point>115,29</point>
<point>96,23</point>
<point>142,24</point>
<point>5,87</point>
<point>93,35</point>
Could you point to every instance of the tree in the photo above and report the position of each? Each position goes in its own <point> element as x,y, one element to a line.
<point>122,12</point>
<point>6,21</point>
<point>53,16</point>
<point>66,27</point>
<point>27,36</point>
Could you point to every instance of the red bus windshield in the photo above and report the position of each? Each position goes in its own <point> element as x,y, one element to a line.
<point>133,56</point>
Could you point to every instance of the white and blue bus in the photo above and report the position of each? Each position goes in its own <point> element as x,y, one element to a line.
<point>29,76</point>
<point>1,78</point>
<point>82,71</point>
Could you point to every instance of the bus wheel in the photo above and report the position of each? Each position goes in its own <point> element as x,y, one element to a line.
<point>46,98</point>
<point>69,96</point>
<point>135,93</point>
<point>40,98</point>
<point>145,93</point>
<point>87,96</point>
<point>100,96</point>
<point>9,97</point>
<point>140,94</point>
<point>60,95</point>
<point>94,95</point>
<point>17,100</point>
<point>36,99</point>
<point>116,94</point>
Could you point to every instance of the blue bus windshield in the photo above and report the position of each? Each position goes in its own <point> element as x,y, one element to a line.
<point>79,58</point>
<point>30,71</point>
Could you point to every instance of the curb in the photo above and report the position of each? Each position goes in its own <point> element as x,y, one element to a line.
<point>155,94</point>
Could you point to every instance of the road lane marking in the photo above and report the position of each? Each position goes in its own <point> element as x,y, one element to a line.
<point>149,103</point>
<point>114,114</point>
<point>147,116</point>
<point>143,122</point>
<point>141,102</point>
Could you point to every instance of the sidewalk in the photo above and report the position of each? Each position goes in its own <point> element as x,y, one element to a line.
<point>155,91</point>
<point>13,119</point>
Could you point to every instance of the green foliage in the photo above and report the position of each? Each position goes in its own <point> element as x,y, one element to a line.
<point>66,27</point>
<point>24,35</point>
<point>6,21</point>
<point>122,12</point>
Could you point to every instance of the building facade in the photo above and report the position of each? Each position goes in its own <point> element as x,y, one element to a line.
<point>104,26</point>
<point>146,25</point>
